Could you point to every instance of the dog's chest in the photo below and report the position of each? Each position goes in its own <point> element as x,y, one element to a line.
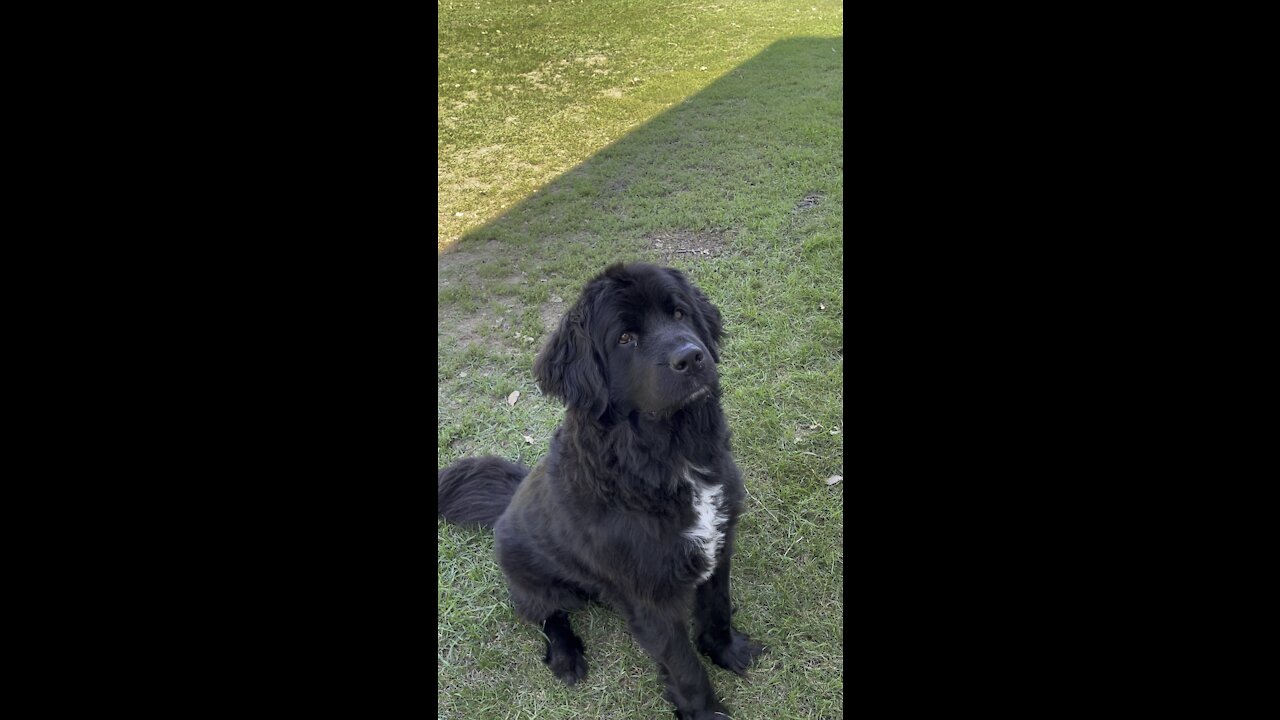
<point>709,518</point>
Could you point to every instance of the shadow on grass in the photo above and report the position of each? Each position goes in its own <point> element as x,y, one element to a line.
<point>721,173</point>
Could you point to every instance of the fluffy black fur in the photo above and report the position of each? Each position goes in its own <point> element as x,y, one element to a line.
<point>606,514</point>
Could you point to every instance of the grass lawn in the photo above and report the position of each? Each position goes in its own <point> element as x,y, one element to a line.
<point>705,136</point>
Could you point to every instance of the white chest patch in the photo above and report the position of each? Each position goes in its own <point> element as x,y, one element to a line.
<point>709,517</point>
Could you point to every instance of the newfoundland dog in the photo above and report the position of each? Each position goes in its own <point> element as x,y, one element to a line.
<point>637,502</point>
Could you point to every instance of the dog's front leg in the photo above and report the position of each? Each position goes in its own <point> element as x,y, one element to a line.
<point>717,637</point>
<point>662,632</point>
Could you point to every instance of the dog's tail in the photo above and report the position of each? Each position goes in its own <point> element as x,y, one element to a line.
<point>475,491</point>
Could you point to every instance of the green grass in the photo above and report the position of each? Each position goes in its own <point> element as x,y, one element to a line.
<point>555,178</point>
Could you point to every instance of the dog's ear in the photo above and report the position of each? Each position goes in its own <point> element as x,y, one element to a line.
<point>707,316</point>
<point>569,367</point>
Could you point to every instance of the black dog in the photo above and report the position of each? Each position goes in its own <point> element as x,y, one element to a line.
<point>637,502</point>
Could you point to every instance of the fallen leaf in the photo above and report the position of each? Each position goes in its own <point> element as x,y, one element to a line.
<point>528,439</point>
<point>834,479</point>
<point>512,398</point>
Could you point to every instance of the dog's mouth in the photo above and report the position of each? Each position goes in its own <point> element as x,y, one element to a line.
<point>695,396</point>
<point>698,395</point>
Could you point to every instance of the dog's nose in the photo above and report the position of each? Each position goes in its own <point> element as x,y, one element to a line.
<point>687,357</point>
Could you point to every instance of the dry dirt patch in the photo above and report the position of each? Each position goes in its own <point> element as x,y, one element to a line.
<point>551,314</point>
<point>460,267</point>
<point>460,326</point>
<point>688,244</point>
<point>809,200</point>
<point>454,264</point>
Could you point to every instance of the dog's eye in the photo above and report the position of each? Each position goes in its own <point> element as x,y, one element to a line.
<point>626,338</point>
<point>679,315</point>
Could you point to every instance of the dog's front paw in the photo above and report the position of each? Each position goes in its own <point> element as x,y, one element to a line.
<point>567,661</point>
<point>736,655</point>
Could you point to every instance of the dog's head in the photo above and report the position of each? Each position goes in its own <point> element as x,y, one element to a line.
<point>641,338</point>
